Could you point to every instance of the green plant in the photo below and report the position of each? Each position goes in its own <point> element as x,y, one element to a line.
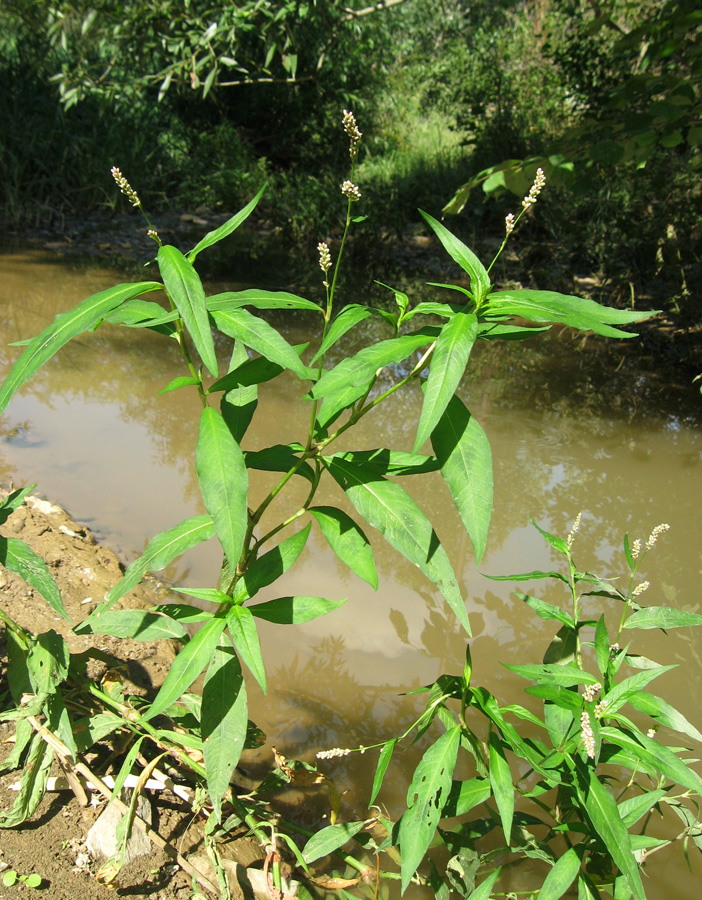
<point>11,877</point>
<point>59,711</point>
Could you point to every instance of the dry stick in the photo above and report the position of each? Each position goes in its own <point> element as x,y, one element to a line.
<point>67,761</point>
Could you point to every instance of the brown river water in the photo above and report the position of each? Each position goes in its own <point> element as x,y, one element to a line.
<point>571,430</point>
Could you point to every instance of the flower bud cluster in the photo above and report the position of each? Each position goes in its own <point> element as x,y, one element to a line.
<point>351,129</point>
<point>324,256</point>
<point>509,224</point>
<point>576,525</point>
<point>659,529</point>
<point>535,190</point>
<point>330,754</point>
<point>587,735</point>
<point>636,548</point>
<point>125,187</point>
<point>639,589</point>
<point>591,690</point>
<point>350,191</point>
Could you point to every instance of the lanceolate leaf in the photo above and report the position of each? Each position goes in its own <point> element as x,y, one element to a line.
<point>621,692</point>
<point>466,259</point>
<point>224,720</point>
<point>239,403</point>
<point>653,754</point>
<point>180,382</point>
<point>139,625</point>
<point>279,458</point>
<point>161,551</point>
<point>259,300</point>
<point>66,326</point>
<point>448,363</point>
<point>17,557</point>
<point>664,713</point>
<point>662,617</point>
<point>348,317</point>
<point>186,667</point>
<point>330,839</point>
<point>502,785</point>
<point>212,237</point>
<point>294,610</point>
<point>242,628</point>
<point>384,758</point>
<point>32,785</point>
<point>463,453</point>
<point>348,541</point>
<point>553,673</point>
<point>392,462</point>
<point>545,610</point>
<point>224,482</point>
<point>269,567</point>
<point>577,312</point>
<point>387,507</point>
<point>358,370</point>
<point>602,810</point>
<point>466,795</point>
<point>187,293</point>
<point>561,876</point>
<point>261,337</point>
<point>426,798</point>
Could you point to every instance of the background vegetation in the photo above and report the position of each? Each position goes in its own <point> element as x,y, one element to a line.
<point>200,103</point>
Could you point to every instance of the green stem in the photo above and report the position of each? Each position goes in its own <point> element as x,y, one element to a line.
<point>17,630</point>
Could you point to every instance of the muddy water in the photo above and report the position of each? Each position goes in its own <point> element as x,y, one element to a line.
<point>570,431</point>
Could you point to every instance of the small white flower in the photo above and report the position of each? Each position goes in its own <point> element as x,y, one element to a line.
<point>351,129</point>
<point>576,525</point>
<point>640,588</point>
<point>651,733</point>
<point>125,187</point>
<point>324,256</point>
<point>330,754</point>
<point>350,191</point>
<point>587,735</point>
<point>636,549</point>
<point>591,690</point>
<point>509,223</point>
<point>659,529</point>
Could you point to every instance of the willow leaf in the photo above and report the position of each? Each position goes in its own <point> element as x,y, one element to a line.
<point>348,541</point>
<point>257,334</point>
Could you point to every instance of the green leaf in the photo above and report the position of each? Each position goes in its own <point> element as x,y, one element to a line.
<point>561,876</point>
<point>560,696</point>
<point>502,785</point>
<point>348,541</point>
<point>65,327</point>
<point>545,610</point>
<point>664,713</point>
<point>662,617</point>
<point>426,798</point>
<point>466,795</point>
<point>17,557</point>
<point>482,892</point>
<point>143,314</point>
<point>294,610</point>
<point>279,458</point>
<point>463,453</point>
<point>259,299</point>
<point>495,331</point>
<point>329,839</point>
<point>586,889</point>
<point>187,293</point>
<point>556,542</point>
<point>333,406</point>
<point>602,646</point>
<point>210,595</point>
<point>239,403</point>
<point>256,333</point>
<point>359,370</point>
<point>527,576</point>
<point>180,382</point>
<point>47,662</point>
<point>634,808</point>
<point>620,693</point>
<point>576,312</point>
<point>655,756</point>
<point>466,259</point>
<point>187,665</point>
<point>386,506</point>
<point>446,369</point>
<point>553,673</point>
<point>224,721</point>
<point>602,811</point>
<point>162,550</point>
<point>224,482</point>
<point>212,237</point>
<point>384,758</point>
<point>269,567</point>
<point>32,784</point>
<point>391,462</point>
<point>242,628</point>
<point>139,625</point>
<point>348,317</point>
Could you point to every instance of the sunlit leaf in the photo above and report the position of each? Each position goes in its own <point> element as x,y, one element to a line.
<point>139,625</point>
<point>294,610</point>
<point>329,839</point>
<point>212,237</point>
<point>269,567</point>
<point>19,558</point>
<point>502,785</point>
<point>279,458</point>
<point>384,758</point>
<point>545,610</point>
<point>662,617</point>
<point>466,259</point>
<point>348,317</point>
<point>257,334</point>
<point>259,299</point>
<point>561,876</point>
<point>664,713</point>
<point>242,628</point>
<point>348,541</point>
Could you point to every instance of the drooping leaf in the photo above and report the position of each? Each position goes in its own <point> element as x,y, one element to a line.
<point>466,259</point>
<point>576,312</point>
<point>329,839</point>
<point>188,664</point>
<point>602,810</point>
<point>561,876</point>
<point>19,558</point>
<point>212,237</point>
<point>384,758</point>
<point>545,610</point>
<point>257,334</point>
<point>664,713</point>
<point>497,331</point>
<point>662,617</point>
<point>653,755</point>
<point>259,299</point>
<point>620,693</point>
<point>387,507</point>
<point>502,785</point>
<point>294,610</point>
<point>527,576</point>
<point>224,720</point>
<point>446,368</point>
<point>358,370</point>
<point>188,295</point>
<point>139,625</point>
<point>242,628</point>
<point>66,326</point>
<point>269,567</point>
<point>463,453</point>
<point>224,482</point>
<point>632,809</point>
<point>142,313</point>
<point>161,551</point>
<point>32,784</point>
<point>348,541</point>
<point>426,797</point>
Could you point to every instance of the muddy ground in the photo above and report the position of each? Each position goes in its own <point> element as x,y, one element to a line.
<point>52,844</point>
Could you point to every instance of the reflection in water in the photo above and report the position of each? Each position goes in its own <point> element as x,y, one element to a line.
<point>568,433</point>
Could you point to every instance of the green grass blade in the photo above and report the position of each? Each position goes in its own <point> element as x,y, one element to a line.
<point>463,453</point>
<point>187,293</point>
<point>224,482</point>
<point>224,720</point>
<point>348,541</point>
<point>448,363</point>
<point>387,507</point>
<point>66,326</point>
